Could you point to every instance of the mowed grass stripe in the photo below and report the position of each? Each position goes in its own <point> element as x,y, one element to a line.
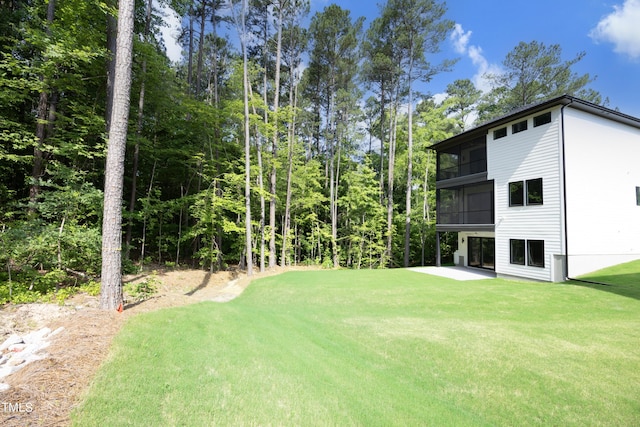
<point>381,347</point>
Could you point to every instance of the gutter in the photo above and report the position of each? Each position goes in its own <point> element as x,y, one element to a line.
<point>564,192</point>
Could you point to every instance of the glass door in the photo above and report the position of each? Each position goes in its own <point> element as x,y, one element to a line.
<point>482,252</point>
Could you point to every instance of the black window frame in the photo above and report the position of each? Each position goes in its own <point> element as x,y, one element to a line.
<point>519,127</point>
<point>519,192</point>
<point>542,119</point>
<point>538,262</point>
<point>529,194</point>
<point>520,252</point>
<point>500,133</point>
<point>523,190</point>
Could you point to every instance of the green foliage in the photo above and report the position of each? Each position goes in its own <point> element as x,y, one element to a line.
<point>142,290</point>
<point>91,287</point>
<point>534,72</point>
<point>365,219</point>
<point>184,188</point>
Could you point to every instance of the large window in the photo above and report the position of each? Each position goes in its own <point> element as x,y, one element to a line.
<point>516,251</point>
<point>467,204</point>
<point>534,253</point>
<point>516,193</point>
<point>529,191</point>
<point>463,159</point>
<point>534,191</point>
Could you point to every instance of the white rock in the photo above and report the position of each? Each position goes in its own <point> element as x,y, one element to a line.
<point>4,386</point>
<point>13,339</point>
<point>36,336</point>
<point>56,332</point>
<point>15,361</point>
<point>17,347</point>
<point>8,370</point>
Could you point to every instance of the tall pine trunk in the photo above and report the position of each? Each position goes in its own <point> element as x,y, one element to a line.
<point>247,143</point>
<point>276,101</point>
<point>407,221</point>
<point>203,14</point>
<point>111,277</point>
<point>293,96</point>
<point>41,126</point>
<point>391,168</point>
<point>136,148</point>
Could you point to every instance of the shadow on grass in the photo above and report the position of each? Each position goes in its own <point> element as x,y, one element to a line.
<point>626,285</point>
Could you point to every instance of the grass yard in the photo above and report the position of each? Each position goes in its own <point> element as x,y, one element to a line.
<point>378,348</point>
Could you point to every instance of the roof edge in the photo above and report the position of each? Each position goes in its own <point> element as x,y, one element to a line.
<point>564,100</point>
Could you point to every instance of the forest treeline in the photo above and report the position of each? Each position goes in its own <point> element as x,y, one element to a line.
<point>337,123</point>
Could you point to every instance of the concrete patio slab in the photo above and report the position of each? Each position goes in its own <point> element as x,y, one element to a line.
<point>456,273</point>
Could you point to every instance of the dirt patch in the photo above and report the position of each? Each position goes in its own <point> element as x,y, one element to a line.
<point>45,391</point>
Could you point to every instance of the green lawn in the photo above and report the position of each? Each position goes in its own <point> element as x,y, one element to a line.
<point>378,348</point>
<point>622,279</point>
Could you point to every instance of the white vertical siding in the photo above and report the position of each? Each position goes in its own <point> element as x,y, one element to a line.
<point>602,173</point>
<point>530,154</point>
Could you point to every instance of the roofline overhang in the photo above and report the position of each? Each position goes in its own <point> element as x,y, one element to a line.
<point>564,100</point>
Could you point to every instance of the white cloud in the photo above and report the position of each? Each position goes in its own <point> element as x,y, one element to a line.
<point>460,40</point>
<point>170,31</point>
<point>622,28</point>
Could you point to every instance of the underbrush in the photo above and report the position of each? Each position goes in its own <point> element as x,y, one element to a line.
<point>36,286</point>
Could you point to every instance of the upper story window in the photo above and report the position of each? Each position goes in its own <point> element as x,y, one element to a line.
<point>500,133</point>
<point>638,196</point>
<point>529,191</point>
<point>534,191</point>
<point>463,159</point>
<point>516,193</point>
<point>519,127</point>
<point>542,119</point>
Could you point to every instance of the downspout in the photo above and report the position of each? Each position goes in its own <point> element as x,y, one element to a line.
<point>564,191</point>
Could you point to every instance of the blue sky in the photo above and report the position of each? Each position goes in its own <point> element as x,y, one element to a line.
<point>607,30</point>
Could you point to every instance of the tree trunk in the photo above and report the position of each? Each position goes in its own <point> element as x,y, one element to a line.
<point>276,100</point>
<point>111,277</point>
<point>259,145</point>
<point>112,29</point>
<point>41,126</point>
<point>391,168</point>
<point>247,142</point>
<point>203,14</point>
<point>287,210</point>
<point>407,221</point>
<point>190,60</point>
<point>136,148</point>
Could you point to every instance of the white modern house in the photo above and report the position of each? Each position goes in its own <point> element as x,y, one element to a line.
<point>549,192</point>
